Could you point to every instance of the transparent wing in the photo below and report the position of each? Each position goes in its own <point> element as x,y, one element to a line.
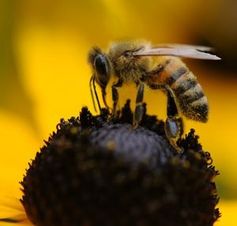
<point>177,45</point>
<point>188,52</point>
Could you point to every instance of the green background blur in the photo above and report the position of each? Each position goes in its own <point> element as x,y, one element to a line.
<point>44,72</point>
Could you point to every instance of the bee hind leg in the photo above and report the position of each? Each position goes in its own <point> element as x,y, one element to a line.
<point>139,110</point>
<point>173,123</point>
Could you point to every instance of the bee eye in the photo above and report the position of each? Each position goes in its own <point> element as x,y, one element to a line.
<point>102,69</point>
<point>101,65</point>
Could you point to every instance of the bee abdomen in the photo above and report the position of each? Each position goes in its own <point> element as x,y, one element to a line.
<point>183,82</point>
<point>176,75</point>
<point>191,98</point>
<point>191,95</point>
<point>198,110</point>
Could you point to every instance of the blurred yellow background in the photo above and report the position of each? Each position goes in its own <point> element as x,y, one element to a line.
<point>44,73</point>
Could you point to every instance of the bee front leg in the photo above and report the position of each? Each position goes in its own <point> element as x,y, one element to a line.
<point>115,95</point>
<point>139,110</point>
<point>173,123</point>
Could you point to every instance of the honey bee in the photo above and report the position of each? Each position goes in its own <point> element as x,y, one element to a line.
<point>158,67</point>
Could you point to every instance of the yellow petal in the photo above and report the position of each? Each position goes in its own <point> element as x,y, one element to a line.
<point>18,146</point>
<point>56,75</point>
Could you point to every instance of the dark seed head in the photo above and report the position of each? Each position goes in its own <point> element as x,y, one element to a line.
<point>97,171</point>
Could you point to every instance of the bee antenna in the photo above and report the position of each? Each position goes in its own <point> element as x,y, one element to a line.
<point>92,95</point>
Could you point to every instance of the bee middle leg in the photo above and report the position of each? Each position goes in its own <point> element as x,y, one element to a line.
<point>115,95</point>
<point>139,110</point>
<point>173,123</point>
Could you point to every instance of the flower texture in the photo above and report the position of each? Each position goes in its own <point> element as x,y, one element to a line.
<point>98,170</point>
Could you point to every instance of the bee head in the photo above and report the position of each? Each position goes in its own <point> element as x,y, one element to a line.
<point>101,67</point>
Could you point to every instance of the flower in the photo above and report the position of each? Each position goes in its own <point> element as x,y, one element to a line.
<point>97,170</point>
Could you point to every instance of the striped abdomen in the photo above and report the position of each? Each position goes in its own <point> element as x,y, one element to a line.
<point>188,92</point>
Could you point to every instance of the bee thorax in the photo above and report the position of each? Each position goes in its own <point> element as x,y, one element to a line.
<point>131,71</point>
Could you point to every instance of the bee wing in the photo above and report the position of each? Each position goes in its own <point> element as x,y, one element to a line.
<point>176,45</point>
<point>187,52</point>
